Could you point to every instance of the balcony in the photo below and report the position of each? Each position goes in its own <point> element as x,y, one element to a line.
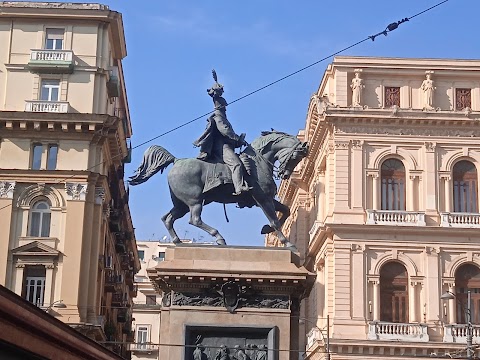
<point>397,332</point>
<point>396,218</point>
<point>460,220</point>
<point>51,61</point>
<point>457,333</point>
<point>143,347</point>
<point>47,106</point>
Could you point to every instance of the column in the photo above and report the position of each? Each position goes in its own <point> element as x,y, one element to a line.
<point>18,286</point>
<point>410,193</point>
<point>448,193</point>
<point>6,203</point>
<point>48,297</point>
<point>356,175</point>
<point>375,191</point>
<point>376,300</point>
<point>413,303</point>
<point>452,315</point>
<point>321,196</point>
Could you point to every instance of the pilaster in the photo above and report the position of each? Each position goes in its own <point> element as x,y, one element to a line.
<point>7,189</point>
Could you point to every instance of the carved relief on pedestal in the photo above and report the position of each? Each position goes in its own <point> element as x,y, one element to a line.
<point>76,191</point>
<point>463,99</point>
<point>6,189</point>
<point>392,96</point>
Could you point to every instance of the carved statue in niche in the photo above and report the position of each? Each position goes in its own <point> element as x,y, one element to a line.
<point>428,89</point>
<point>357,88</point>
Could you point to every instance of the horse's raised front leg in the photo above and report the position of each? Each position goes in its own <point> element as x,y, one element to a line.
<point>196,220</point>
<point>268,207</point>
<point>169,218</point>
<point>284,210</point>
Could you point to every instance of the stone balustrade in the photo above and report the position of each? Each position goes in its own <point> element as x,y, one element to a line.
<point>143,347</point>
<point>396,217</point>
<point>460,219</point>
<point>457,333</point>
<point>51,55</point>
<point>397,331</point>
<point>47,106</point>
<point>313,335</point>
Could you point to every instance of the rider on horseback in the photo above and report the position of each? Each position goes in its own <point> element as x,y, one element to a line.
<point>219,140</point>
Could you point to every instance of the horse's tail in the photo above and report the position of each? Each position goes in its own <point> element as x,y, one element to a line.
<point>155,159</point>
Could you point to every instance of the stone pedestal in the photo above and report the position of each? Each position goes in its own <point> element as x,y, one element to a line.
<point>229,300</point>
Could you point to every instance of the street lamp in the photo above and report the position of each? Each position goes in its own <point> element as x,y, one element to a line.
<point>326,339</point>
<point>56,304</point>
<point>448,295</point>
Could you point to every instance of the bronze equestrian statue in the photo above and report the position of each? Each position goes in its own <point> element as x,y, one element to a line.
<point>219,175</point>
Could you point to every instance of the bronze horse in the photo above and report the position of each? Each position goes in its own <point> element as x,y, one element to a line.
<point>189,181</point>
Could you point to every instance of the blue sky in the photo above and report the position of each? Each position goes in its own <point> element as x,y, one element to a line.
<point>173,46</point>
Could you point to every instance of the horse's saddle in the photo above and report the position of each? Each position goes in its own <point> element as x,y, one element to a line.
<point>218,173</point>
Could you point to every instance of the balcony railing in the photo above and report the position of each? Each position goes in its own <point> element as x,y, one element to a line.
<point>397,331</point>
<point>45,60</point>
<point>463,220</point>
<point>141,347</point>
<point>396,217</point>
<point>457,333</point>
<point>47,106</point>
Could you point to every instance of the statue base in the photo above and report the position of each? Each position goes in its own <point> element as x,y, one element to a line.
<point>220,302</point>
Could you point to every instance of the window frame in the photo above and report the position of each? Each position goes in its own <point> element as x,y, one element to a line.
<point>145,329</point>
<point>393,188</point>
<point>465,188</point>
<point>50,158</point>
<point>391,296</point>
<point>54,37</point>
<point>34,155</point>
<point>48,85</point>
<point>42,222</point>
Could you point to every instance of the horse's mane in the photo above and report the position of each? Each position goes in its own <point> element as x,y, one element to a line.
<point>268,137</point>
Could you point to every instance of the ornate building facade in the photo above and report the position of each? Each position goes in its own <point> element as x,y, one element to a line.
<point>67,241</point>
<point>147,304</point>
<point>385,208</point>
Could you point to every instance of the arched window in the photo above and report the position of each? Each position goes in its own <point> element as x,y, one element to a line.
<point>465,187</point>
<point>40,219</point>
<point>467,277</point>
<point>394,293</point>
<point>393,185</point>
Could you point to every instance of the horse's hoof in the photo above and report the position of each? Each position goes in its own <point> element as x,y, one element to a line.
<point>176,241</point>
<point>266,229</point>
<point>221,242</point>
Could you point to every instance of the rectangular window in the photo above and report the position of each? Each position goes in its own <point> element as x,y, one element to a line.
<point>141,255</point>
<point>50,90</point>
<point>34,289</point>
<point>52,156</point>
<point>151,299</point>
<point>37,150</point>
<point>142,337</point>
<point>54,39</point>
<point>161,256</point>
<point>392,96</point>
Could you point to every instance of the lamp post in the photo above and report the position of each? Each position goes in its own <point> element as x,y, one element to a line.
<point>448,295</point>
<point>326,339</point>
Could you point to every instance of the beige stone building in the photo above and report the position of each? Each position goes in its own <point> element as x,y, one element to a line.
<point>385,208</point>
<point>147,303</point>
<point>66,236</point>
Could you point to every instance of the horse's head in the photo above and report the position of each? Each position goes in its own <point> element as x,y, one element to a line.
<point>285,148</point>
<point>292,158</point>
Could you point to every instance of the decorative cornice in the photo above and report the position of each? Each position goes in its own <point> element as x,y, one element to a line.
<point>6,189</point>
<point>76,191</point>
